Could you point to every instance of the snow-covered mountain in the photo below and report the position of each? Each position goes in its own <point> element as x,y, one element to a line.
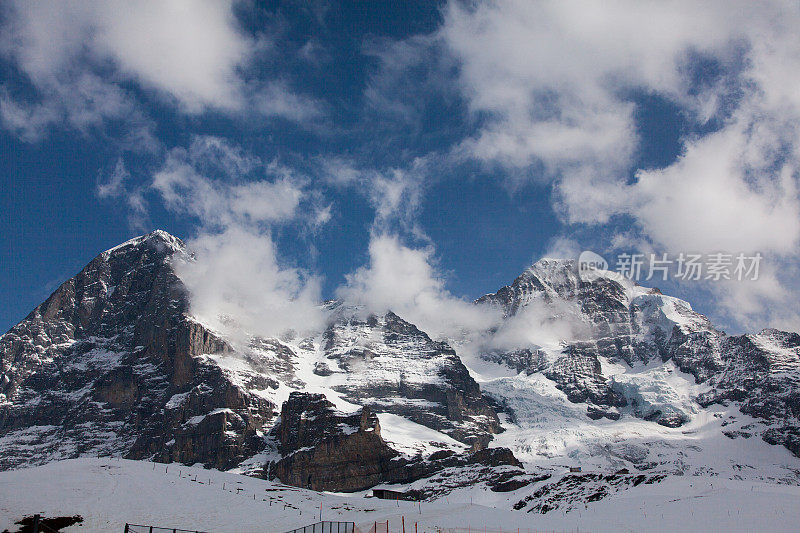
<point>603,374</point>
<point>111,363</point>
<point>636,353</point>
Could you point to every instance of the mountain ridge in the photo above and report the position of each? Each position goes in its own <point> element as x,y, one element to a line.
<point>114,363</point>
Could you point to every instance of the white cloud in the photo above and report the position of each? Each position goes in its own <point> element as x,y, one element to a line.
<point>552,81</point>
<point>339,171</point>
<point>186,184</point>
<point>239,287</point>
<point>80,55</point>
<point>210,152</point>
<point>395,193</point>
<point>188,50</point>
<point>238,281</point>
<point>540,324</point>
<point>548,74</point>
<point>411,65</point>
<point>116,185</point>
<point>548,85</point>
<point>716,198</point>
<point>26,121</point>
<point>562,247</point>
<point>404,280</point>
<point>276,99</point>
<point>82,102</point>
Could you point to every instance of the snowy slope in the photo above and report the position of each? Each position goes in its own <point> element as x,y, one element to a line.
<point>607,373</point>
<point>107,493</point>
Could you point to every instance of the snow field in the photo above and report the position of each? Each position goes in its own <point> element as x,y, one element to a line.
<point>109,492</point>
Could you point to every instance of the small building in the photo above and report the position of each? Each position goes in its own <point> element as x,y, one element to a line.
<point>386,494</point>
<point>574,469</point>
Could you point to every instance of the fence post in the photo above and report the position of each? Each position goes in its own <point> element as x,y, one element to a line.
<point>36,523</point>
<point>127,527</point>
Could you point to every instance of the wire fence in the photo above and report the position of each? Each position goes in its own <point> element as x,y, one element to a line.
<point>327,527</point>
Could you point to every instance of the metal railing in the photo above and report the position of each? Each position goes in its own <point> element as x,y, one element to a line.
<point>139,528</point>
<point>327,527</point>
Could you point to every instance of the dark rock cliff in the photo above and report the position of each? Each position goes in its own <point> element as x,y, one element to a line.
<point>108,364</point>
<point>324,449</point>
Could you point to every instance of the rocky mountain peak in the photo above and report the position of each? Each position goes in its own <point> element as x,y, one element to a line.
<point>108,364</point>
<point>157,239</point>
<point>113,362</point>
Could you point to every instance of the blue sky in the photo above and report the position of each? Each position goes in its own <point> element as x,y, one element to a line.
<point>441,146</point>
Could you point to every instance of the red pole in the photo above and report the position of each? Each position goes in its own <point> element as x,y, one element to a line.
<point>403,523</point>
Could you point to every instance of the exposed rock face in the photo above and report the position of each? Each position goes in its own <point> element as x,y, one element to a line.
<point>392,366</point>
<point>114,363</point>
<point>761,373</point>
<point>109,365</point>
<point>521,360</point>
<point>606,319</point>
<point>600,308</point>
<point>570,492</point>
<point>578,374</point>
<point>328,450</point>
<point>622,323</point>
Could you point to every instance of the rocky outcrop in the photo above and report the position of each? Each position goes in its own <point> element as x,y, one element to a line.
<point>576,490</point>
<point>761,373</point>
<point>391,366</point>
<point>578,374</point>
<point>113,363</point>
<point>110,364</point>
<point>324,449</point>
<point>328,450</point>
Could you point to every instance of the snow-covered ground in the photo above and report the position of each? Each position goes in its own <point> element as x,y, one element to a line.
<point>107,493</point>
